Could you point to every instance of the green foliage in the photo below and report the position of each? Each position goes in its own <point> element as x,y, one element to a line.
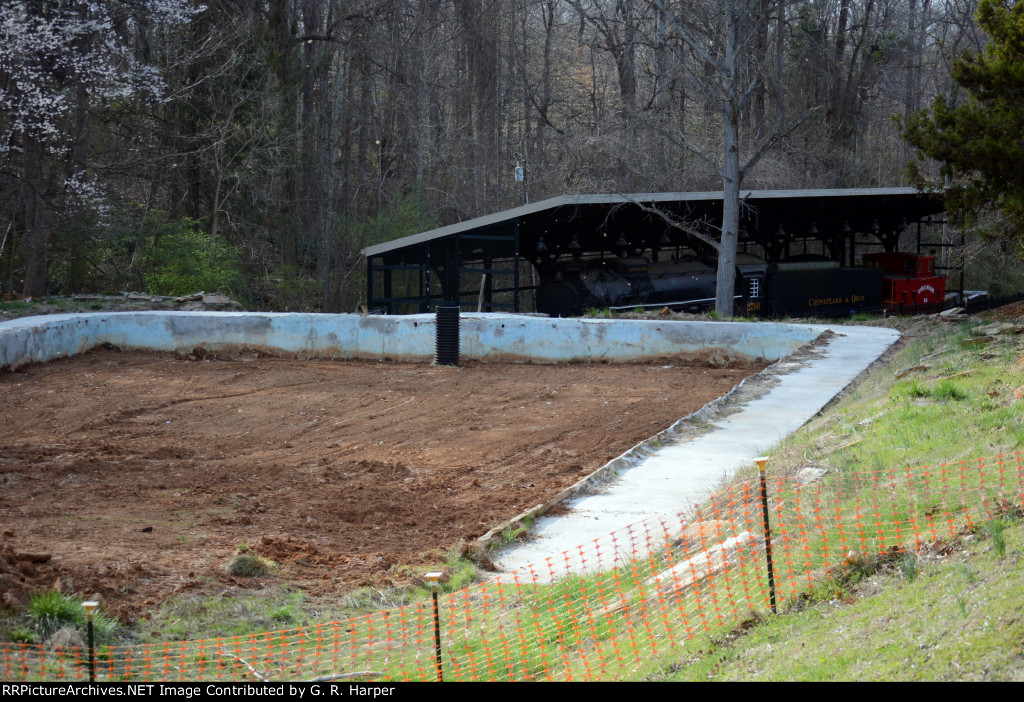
<point>948,390</point>
<point>150,251</point>
<point>185,259</point>
<point>969,575</point>
<point>18,306</point>
<point>943,390</point>
<point>51,610</point>
<point>908,564</point>
<point>284,615</point>
<point>513,531</point>
<point>956,619</point>
<point>996,529</point>
<point>978,143</point>
<point>405,214</point>
<point>189,617</point>
<point>248,565</point>
<point>460,573</point>
<point>19,634</point>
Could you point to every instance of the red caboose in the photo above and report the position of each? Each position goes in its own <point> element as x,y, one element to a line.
<point>909,280</point>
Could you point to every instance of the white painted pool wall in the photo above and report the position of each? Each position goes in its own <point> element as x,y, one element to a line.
<point>486,337</point>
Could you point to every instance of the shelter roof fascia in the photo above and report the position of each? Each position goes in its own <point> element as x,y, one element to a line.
<point>608,199</point>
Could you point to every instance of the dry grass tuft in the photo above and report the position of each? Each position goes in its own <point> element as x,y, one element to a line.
<point>247,565</point>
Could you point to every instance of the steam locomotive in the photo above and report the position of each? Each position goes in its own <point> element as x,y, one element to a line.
<point>801,285</point>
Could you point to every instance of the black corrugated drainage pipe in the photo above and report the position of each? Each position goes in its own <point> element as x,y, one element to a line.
<point>447,348</point>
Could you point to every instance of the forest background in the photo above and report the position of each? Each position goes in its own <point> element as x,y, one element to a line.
<point>255,147</point>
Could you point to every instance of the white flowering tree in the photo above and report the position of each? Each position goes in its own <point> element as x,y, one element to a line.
<point>60,59</point>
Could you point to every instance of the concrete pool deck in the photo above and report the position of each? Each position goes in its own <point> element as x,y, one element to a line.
<point>679,476</point>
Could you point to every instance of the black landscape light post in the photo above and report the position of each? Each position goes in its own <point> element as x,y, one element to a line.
<point>433,578</point>
<point>767,529</point>
<point>90,607</point>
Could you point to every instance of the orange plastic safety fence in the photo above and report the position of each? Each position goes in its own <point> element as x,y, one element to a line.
<point>605,609</point>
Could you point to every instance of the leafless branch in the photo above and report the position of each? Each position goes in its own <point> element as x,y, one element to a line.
<point>677,223</point>
<point>780,134</point>
<point>700,154</point>
<point>252,670</point>
<point>685,35</point>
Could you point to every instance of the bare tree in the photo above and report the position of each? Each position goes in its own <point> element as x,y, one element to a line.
<point>718,70</point>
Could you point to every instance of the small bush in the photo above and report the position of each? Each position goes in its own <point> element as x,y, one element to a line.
<point>284,615</point>
<point>995,529</point>
<point>248,565</point>
<point>186,260</point>
<point>20,634</point>
<point>908,565</point>
<point>947,390</point>
<point>916,389</point>
<point>943,390</point>
<point>52,610</point>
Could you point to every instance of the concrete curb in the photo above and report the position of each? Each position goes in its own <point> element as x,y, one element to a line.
<point>485,337</point>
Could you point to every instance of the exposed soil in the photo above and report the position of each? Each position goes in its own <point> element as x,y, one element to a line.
<point>137,476</point>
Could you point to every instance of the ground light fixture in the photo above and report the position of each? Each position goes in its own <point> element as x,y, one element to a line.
<point>90,607</point>
<point>762,475</point>
<point>434,577</point>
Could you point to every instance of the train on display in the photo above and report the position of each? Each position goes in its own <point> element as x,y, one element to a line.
<point>799,286</point>
<point>571,253</point>
<point>909,280</point>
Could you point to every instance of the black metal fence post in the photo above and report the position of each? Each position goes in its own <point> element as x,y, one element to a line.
<point>433,579</point>
<point>767,530</point>
<point>90,607</point>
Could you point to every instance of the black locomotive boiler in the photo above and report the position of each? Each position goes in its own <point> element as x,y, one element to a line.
<point>799,286</point>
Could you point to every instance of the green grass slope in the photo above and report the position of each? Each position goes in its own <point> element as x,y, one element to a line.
<point>952,392</point>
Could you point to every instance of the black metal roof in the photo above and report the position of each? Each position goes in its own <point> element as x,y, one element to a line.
<point>595,221</point>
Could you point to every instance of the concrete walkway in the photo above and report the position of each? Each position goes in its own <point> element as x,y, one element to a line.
<point>679,476</point>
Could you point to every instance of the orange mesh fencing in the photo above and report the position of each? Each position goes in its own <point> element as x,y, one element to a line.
<point>606,609</point>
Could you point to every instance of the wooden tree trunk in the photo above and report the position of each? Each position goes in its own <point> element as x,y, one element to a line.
<point>731,174</point>
<point>36,223</point>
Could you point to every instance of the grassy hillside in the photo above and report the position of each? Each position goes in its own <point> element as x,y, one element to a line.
<point>952,392</point>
